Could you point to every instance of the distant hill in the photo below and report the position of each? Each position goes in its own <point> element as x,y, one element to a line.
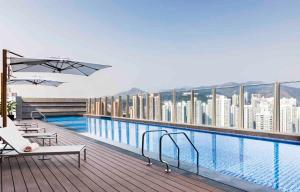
<point>132,91</point>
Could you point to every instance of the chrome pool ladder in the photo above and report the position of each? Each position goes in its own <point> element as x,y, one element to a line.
<point>143,145</point>
<point>166,133</point>
<point>160,150</point>
<point>41,114</point>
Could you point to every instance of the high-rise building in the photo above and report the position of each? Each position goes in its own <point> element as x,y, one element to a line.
<point>135,106</point>
<point>248,117</point>
<point>208,112</point>
<point>151,107</point>
<point>157,108</point>
<point>234,116</point>
<point>179,112</point>
<point>223,111</point>
<point>141,106</point>
<point>264,120</point>
<point>297,121</point>
<point>235,100</point>
<point>288,115</point>
<point>167,111</point>
<point>198,114</point>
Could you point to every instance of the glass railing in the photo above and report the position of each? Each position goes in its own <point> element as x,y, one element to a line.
<point>227,106</point>
<point>153,107</point>
<point>183,106</point>
<point>203,107</point>
<point>167,109</point>
<point>290,107</point>
<point>271,107</point>
<point>259,107</point>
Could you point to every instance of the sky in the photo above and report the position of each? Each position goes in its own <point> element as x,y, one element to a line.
<point>154,45</point>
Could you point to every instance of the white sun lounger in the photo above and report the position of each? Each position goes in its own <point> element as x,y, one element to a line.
<point>13,138</point>
<point>31,129</point>
<point>26,129</point>
<point>41,135</point>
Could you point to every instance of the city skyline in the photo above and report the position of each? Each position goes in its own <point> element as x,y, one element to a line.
<point>258,110</point>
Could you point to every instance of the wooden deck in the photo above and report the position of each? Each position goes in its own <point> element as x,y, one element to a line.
<point>106,169</point>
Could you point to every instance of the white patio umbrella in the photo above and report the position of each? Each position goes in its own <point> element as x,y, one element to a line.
<point>34,82</point>
<point>18,63</point>
<point>64,66</point>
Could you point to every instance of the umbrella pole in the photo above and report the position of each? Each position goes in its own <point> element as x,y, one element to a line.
<point>4,88</point>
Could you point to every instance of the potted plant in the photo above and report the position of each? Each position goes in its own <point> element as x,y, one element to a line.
<point>11,108</point>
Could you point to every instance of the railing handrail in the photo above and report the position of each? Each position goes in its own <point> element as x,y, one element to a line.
<point>32,117</point>
<point>160,149</point>
<point>148,158</point>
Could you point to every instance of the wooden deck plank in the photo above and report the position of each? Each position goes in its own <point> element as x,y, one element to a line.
<point>7,181</point>
<point>37,174</point>
<point>51,179</point>
<point>64,181</point>
<point>98,179</point>
<point>27,175</point>
<point>138,184</point>
<point>103,176</point>
<point>17,176</point>
<point>83,177</point>
<point>72,178</point>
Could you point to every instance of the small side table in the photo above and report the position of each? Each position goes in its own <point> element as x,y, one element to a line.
<point>43,143</point>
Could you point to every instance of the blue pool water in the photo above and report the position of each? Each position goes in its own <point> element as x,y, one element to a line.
<point>269,163</point>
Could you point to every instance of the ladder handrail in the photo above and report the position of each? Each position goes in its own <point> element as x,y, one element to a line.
<point>178,133</point>
<point>32,117</point>
<point>148,158</point>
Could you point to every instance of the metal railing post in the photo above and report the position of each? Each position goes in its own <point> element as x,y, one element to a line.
<point>135,103</point>
<point>100,106</point>
<point>95,106</point>
<point>192,108</point>
<point>276,111</point>
<point>87,106</point>
<point>105,105</point>
<point>241,105</point>
<point>90,105</point>
<point>159,107</point>
<point>127,106</point>
<point>174,106</point>
<point>120,107</point>
<point>141,106</point>
<point>214,114</point>
<point>112,106</point>
<point>147,107</point>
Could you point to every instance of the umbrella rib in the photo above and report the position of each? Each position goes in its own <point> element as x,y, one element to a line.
<point>23,68</point>
<point>81,65</point>
<point>81,71</point>
<point>72,66</point>
<point>30,81</point>
<point>51,66</point>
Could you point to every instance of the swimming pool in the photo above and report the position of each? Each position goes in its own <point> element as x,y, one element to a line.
<point>268,163</point>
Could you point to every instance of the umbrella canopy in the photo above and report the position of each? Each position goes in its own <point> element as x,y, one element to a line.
<point>65,66</point>
<point>34,82</point>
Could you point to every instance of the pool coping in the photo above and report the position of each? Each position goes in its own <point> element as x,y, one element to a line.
<point>225,182</point>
